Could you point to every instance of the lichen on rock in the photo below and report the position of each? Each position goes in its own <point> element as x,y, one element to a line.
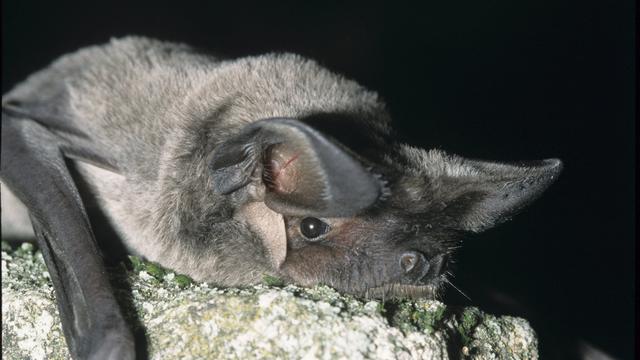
<point>181,319</point>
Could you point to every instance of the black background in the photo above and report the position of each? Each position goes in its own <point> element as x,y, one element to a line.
<point>503,80</point>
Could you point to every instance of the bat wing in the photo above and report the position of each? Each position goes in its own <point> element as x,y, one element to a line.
<point>33,166</point>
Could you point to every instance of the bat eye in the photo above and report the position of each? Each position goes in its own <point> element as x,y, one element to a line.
<point>312,228</point>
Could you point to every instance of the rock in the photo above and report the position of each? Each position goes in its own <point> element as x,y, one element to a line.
<point>185,320</point>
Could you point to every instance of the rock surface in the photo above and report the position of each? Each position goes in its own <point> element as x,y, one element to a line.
<point>179,319</point>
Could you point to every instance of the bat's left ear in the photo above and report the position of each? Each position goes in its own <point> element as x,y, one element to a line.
<point>301,171</point>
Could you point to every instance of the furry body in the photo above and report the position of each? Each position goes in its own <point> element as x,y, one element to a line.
<point>137,99</point>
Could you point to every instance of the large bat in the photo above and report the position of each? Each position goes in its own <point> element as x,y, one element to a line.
<point>230,170</point>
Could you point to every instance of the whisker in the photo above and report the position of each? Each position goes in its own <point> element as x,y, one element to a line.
<point>460,291</point>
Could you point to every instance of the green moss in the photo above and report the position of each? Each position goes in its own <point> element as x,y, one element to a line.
<point>155,270</point>
<point>159,273</point>
<point>438,315</point>
<point>183,281</point>
<point>427,319</point>
<point>272,281</point>
<point>421,315</point>
<point>468,320</point>
<point>136,263</point>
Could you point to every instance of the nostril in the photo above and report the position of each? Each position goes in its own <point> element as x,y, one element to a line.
<point>408,261</point>
<point>438,264</point>
<point>411,260</point>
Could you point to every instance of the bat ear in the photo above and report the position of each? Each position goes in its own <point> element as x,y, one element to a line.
<point>494,192</point>
<point>301,171</point>
<point>476,195</point>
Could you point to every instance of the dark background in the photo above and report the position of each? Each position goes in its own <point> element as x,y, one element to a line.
<point>498,80</point>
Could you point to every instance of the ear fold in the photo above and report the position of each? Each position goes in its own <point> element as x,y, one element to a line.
<point>301,171</point>
<point>494,192</point>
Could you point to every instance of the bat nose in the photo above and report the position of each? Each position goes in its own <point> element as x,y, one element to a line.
<point>415,265</point>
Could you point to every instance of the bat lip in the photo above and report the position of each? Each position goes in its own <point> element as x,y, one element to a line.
<point>399,290</point>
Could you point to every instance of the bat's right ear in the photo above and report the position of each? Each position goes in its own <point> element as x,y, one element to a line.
<point>300,170</point>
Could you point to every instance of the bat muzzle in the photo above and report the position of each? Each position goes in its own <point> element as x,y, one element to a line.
<point>417,268</point>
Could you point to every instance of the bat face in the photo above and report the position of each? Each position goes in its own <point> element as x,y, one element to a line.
<point>375,255</point>
<point>380,225</point>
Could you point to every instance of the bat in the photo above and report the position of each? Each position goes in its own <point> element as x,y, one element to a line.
<point>231,170</point>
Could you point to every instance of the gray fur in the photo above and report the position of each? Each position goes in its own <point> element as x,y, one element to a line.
<point>155,112</point>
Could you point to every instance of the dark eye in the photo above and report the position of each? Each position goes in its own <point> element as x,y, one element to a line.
<point>312,228</point>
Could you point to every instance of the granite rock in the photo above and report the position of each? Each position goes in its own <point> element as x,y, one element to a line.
<point>176,318</point>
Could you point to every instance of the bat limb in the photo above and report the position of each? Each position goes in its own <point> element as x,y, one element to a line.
<point>33,166</point>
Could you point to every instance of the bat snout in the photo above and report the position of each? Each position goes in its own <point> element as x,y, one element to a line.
<point>416,267</point>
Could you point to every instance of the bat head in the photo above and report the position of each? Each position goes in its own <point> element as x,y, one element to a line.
<point>364,215</point>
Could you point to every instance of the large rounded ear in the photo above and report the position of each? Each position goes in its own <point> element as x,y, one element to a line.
<point>492,193</point>
<point>300,170</point>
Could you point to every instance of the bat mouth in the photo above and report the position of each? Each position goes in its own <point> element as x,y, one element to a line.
<point>395,290</point>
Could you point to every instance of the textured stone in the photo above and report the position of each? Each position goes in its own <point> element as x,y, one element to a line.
<point>186,320</point>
